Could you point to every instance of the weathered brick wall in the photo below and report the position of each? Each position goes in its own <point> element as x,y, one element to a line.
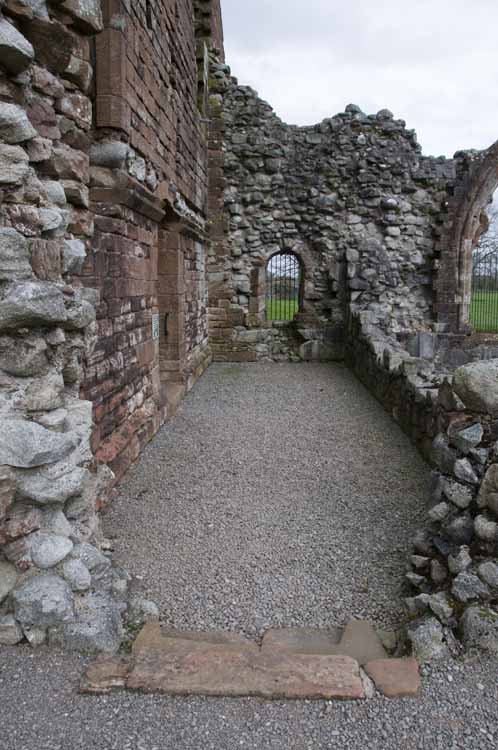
<point>148,191</point>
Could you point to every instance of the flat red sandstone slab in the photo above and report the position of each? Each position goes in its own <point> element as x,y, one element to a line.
<point>361,642</point>
<point>105,674</point>
<point>395,678</point>
<point>302,640</point>
<point>358,640</point>
<point>153,638</point>
<point>228,670</point>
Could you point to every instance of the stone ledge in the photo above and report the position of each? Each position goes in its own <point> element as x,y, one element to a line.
<point>300,663</point>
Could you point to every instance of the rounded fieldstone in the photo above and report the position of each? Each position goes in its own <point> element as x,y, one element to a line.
<point>43,601</point>
<point>111,154</point>
<point>141,611</point>
<point>477,385</point>
<point>77,575</point>
<point>97,627</point>
<point>459,561</point>
<point>8,579</point>
<point>16,52</point>
<point>10,631</point>
<point>14,255</point>
<point>14,124</point>
<point>485,529</point>
<point>427,638</point>
<point>94,560</point>
<point>467,587</point>
<point>488,572</point>
<point>479,628</point>
<point>35,636</point>
<point>48,550</point>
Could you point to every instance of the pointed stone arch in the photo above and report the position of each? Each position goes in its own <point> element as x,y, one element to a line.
<point>477,180</point>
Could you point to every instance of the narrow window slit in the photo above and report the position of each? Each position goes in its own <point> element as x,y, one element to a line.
<point>148,14</point>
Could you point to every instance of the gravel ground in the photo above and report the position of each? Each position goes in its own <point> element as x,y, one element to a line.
<point>41,710</point>
<point>279,495</point>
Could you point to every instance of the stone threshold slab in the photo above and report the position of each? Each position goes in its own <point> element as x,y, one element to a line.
<point>226,664</point>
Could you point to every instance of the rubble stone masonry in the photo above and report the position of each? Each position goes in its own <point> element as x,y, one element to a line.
<point>103,292</point>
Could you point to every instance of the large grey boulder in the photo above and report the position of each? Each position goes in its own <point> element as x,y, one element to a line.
<point>48,486</point>
<point>477,385</point>
<point>45,394</point>
<point>14,124</point>
<point>14,164</point>
<point>8,579</point>
<point>79,313</point>
<point>16,53</point>
<point>98,627</point>
<point>479,628</point>
<point>10,631</point>
<point>14,255</point>
<point>43,601</point>
<point>23,356</point>
<point>48,550</point>
<point>427,638</point>
<point>32,303</point>
<point>26,444</point>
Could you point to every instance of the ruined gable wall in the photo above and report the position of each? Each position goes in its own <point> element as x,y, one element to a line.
<point>353,195</point>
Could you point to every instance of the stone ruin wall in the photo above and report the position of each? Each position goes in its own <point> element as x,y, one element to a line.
<point>103,182</point>
<point>353,197</point>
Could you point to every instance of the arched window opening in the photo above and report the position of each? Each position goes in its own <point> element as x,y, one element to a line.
<point>484,296</point>
<point>283,286</point>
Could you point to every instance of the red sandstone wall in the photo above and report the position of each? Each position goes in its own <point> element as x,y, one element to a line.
<point>149,197</point>
<point>217,28</point>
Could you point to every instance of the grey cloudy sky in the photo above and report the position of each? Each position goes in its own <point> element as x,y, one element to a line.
<point>433,63</point>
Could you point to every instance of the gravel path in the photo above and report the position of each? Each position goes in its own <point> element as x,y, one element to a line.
<point>279,495</point>
<point>41,710</point>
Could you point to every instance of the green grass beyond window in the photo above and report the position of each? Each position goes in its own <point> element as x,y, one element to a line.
<point>484,312</point>
<point>281,309</point>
